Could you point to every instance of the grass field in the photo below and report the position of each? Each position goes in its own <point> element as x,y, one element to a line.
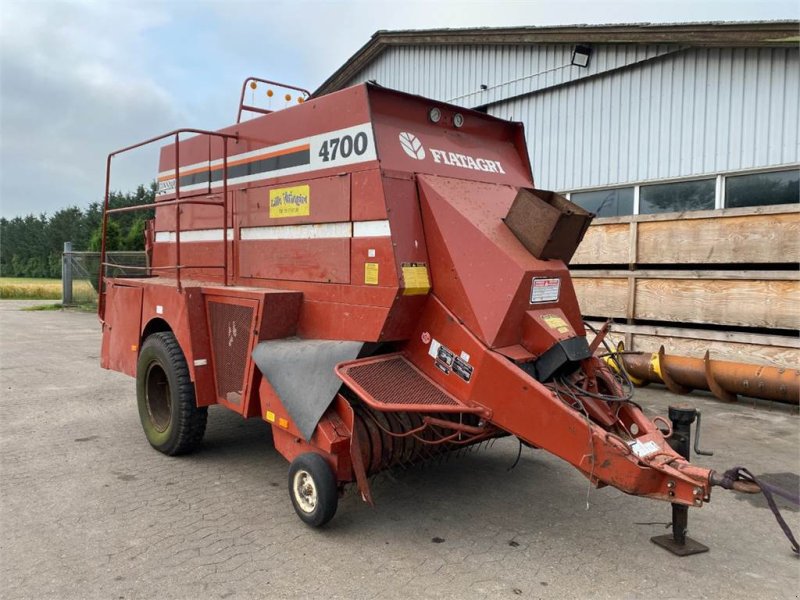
<point>19,288</point>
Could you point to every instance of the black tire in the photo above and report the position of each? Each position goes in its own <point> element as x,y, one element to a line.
<point>315,505</point>
<point>172,422</point>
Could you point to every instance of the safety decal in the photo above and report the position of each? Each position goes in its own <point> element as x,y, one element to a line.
<point>415,279</point>
<point>462,368</point>
<point>545,290</point>
<point>290,202</point>
<point>642,449</point>
<point>557,323</point>
<point>371,273</point>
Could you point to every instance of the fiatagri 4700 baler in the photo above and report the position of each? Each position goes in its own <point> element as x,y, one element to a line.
<point>376,276</point>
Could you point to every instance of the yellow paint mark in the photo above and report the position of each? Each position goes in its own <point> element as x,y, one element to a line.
<point>134,347</point>
<point>283,423</point>
<point>371,273</point>
<point>290,202</point>
<point>655,365</point>
<point>270,416</point>
<point>557,323</point>
<point>416,280</point>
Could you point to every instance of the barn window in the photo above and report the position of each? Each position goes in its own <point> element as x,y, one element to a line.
<point>677,196</point>
<point>761,189</point>
<point>606,203</point>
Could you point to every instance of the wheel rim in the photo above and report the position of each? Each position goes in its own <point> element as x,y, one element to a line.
<point>305,491</point>
<point>158,397</point>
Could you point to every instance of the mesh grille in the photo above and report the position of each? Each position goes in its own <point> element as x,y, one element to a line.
<point>395,381</point>
<point>230,337</point>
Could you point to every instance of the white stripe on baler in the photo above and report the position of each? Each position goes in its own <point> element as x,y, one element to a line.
<point>311,231</point>
<point>194,235</point>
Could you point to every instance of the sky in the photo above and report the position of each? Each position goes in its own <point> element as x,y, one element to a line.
<point>79,79</point>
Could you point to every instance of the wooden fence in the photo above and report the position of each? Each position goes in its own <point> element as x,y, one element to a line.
<point>725,280</point>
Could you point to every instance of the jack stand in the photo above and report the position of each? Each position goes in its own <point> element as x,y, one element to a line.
<point>682,417</point>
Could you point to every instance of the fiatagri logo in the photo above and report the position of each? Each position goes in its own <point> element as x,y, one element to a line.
<point>413,147</point>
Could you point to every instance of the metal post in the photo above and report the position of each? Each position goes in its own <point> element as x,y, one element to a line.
<point>177,212</point>
<point>225,210</point>
<point>66,274</point>
<point>682,417</point>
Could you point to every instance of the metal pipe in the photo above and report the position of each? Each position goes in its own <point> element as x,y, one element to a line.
<point>724,379</point>
<point>177,211</point>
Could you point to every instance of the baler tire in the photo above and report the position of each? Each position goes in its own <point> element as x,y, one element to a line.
<point>323,485</point>
<point>175,425</point>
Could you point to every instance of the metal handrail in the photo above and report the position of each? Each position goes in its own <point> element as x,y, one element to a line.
<point>256,109</point>
<point>177,202</point>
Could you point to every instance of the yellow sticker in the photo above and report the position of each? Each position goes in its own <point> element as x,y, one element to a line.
<point>557,323</point>
<point>290,202</point>
<point>415,279</point>
<point>270,416</point>
<point>371,273</point>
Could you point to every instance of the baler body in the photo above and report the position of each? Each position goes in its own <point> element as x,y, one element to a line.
<point>359,289</point>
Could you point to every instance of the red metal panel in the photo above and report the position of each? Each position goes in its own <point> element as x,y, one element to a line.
<point>329,202</point>
<point>331,292</point>
<point>405,220</point>
<point>480,269</point>
<point>120,349</point>
<point>322,260</point>
<point>367,202</point>
<point>382,254</point>
<point>484,149</point>
<point>280,314</point>
<point>193,216</point>
<point>335,321</point>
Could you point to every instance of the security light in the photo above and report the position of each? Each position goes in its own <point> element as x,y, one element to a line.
<point>581,55</point>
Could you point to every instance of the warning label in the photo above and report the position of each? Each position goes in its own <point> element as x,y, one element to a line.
<point>545,290</point>
<point>557,323</point>
<point>415,279</point>
<point>462,368</point>
<point>371,273</point>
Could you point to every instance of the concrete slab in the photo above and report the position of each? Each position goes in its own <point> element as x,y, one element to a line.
<point>89,510</point>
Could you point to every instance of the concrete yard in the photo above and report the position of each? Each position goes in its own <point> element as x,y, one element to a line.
<point>89,510</point>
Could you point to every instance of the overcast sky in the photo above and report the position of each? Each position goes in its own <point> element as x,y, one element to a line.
<point>80,78</point>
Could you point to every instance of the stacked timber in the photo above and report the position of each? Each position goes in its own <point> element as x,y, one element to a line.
<point>725,281</point>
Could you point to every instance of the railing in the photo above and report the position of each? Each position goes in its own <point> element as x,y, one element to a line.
<point>177,203</point>
<point>256,109</point>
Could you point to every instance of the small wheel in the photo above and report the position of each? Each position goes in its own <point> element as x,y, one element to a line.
<point>172,422</point>
<point>312,488</point>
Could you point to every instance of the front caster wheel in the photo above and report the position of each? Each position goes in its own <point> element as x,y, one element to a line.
<point>312,488</point>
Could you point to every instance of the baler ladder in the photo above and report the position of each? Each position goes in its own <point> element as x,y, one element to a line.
<point>177,202</point>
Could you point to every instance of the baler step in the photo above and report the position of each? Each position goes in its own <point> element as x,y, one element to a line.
<point>390,383</point>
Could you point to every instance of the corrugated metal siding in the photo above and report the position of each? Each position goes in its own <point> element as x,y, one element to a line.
<point>448,72</point>
<point>672,113</point>
<point>692,112</point>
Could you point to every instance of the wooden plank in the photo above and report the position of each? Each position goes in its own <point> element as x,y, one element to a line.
<point>686,274</point>
<point>604,244</point>
<point>776,209</point>
<point>759,339</point>
<point>732,351</point>
<point>745,239</point>
<point>748,303</point>
<point>602,297</point>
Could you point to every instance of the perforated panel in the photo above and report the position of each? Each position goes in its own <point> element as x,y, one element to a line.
<point>395,381</point>
<point>231,325</point>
